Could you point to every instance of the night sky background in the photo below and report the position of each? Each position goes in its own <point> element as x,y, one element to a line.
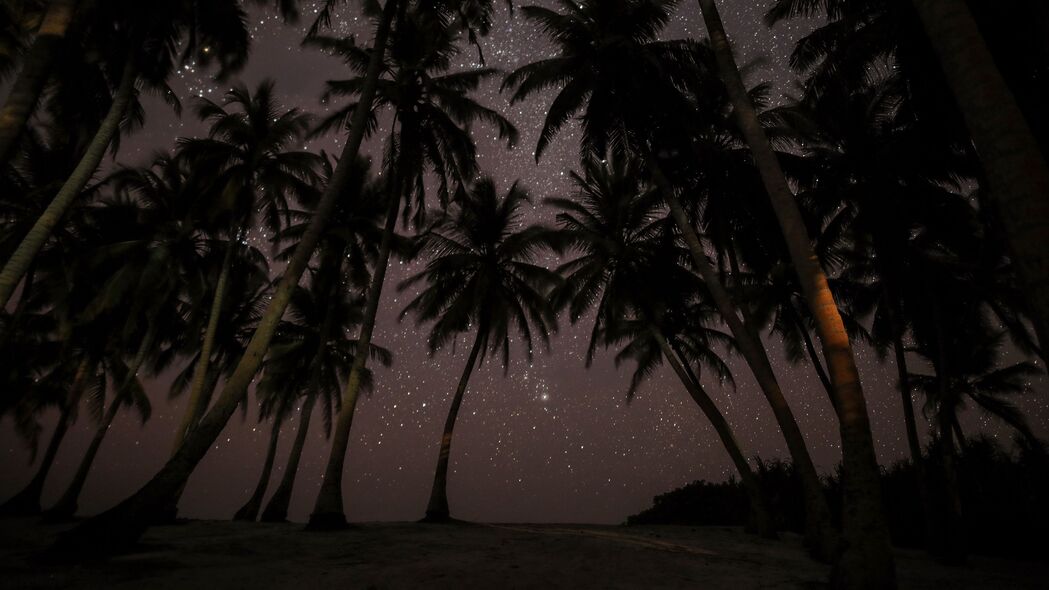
<point>550,442</point>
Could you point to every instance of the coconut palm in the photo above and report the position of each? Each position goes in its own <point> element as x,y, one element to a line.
<point>607,54</point>
<point>434,114</point>
<point>481,274</point>
<point>626,266</point>
<point>125,523</point>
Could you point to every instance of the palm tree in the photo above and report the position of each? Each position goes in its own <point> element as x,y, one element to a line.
<point>433,113</point>
<point>608,54</point>
<point>126,522</point>
<point>249,170</point>
<point>481,274</point>
<point>627,268</point>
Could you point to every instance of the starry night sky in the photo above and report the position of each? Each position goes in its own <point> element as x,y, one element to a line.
<point>553,441</point>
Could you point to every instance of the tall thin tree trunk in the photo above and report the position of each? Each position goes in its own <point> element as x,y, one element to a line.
<point>327,510</point>
<point>27,501</point>
<point>814,356</point>
<point>1017,173</point>
<point>36,67</point>
<point>820,536</point>
<point>866,559</point>
<point>437,508</point>
<point>69,502</point>
<point>34,241</point>
<point>124,524</point>
<point>758,506</point>
<point>277,508</point>
<point>197,399</point>
<point>250,510</point>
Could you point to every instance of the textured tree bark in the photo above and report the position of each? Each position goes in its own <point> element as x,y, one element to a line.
<point>121,526</point>
<point>327,510</point>
<point>67,505</point>
<point>437,509</point>
<point>1016,171</point>
<point>36,68</point>
<point>197,400</point>
<point>758,506</point>
<point>34,241</point>
<point>277,508</point>
<point>250,510</point>
<point>820,536</point>
<point>866,559</point>
<point>27,501</point>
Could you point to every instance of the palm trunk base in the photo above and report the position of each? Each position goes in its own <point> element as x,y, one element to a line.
<point>437,516</point>
<point>248,512</point>
<point>61,512</point>
<point>277,509</point>
<point>327,521</point>
<point>24,503</point>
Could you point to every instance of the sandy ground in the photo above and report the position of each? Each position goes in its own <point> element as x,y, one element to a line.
<point>205,555</point>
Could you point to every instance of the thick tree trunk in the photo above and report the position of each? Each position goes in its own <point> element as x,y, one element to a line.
<point>34,241</point>
<point>122,526</point>
<point>758,506</point>
<point>327,510</point>
<point>866,559</point>
<point>437,509</point>
<point>250,510</point>
<point>36,67</point>
<point>69,502</point>
<point>1016,171</point>
<point>277,508</point>
<point>197,399</point>
<point>27,501</point>
<point>820,536</point>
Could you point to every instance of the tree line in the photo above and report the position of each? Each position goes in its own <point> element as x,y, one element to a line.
<point>899,201</point>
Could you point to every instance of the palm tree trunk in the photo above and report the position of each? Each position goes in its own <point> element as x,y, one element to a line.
<point>327,510</point>
<point>67,505</point>
<point>27,501</point>
<point>197,400</point>
<point>820,536</point>
<point>250,510</point>
<point>758,506</point>
<point>20,307</point>
<point>814,356</point>
<point>1017,173</point>
<point>437,509</point>
<point>866,560</point>
<point>952,550</point>
<point>31,244</point>
<point>277,508</point>
<point>36,66</point>
<point>122,525</point>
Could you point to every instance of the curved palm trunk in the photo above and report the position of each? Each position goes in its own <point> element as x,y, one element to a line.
<point>437,509</point>
<point>277,508</point>
<point>198,401</point>
<point>758,506</point>
<point>866,559</point>
<point>69,502</point>
<point>327,510</point>
<point>36,66</point>
<point>122,525</point>
<point>814,356</point>
<point>250,510</point>
<point>1018,175</point>
<point>34,241</point>
<point>820,536</point>
<point>27,501</point>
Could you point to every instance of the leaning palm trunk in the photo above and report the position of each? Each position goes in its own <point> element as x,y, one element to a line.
<point>67,505</point>
<point>758,507</point>
<point>814,356</point>
<point>27,502</point>
<point>1017,173</point>
<point>250,510</point>
<point>121,526</point>
<point>437,509</point>
<point>34,241</point>
<point>327,511</point>
<point>866,559</point>
<point>197,398</point>
<point>820,536</point>
<point>277,508</point>
<point>27,88</point>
